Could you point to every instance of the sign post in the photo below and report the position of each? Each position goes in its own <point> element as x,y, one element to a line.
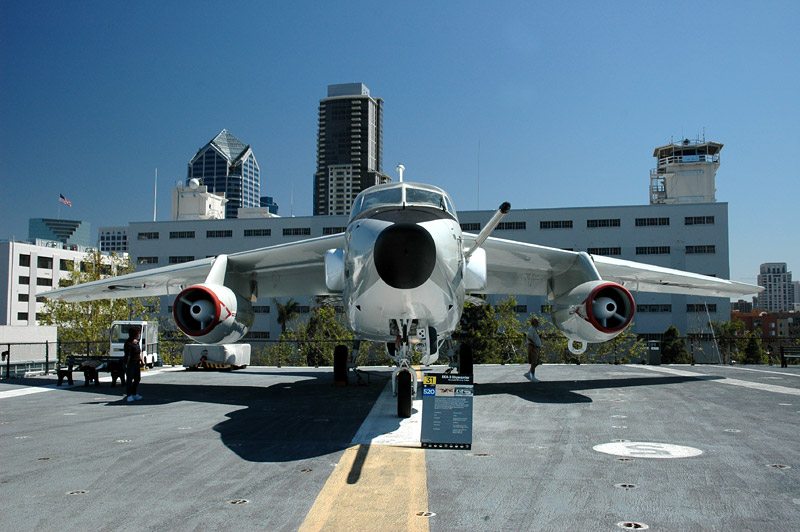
<point>446,411</point>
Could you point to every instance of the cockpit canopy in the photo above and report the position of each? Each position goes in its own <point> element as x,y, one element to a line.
<point>402,194</point>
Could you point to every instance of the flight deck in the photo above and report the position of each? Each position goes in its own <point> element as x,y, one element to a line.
<point>590,447</point>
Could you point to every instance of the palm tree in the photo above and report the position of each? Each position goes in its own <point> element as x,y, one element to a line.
<point>286,313</point>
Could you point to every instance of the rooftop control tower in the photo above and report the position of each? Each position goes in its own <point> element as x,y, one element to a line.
<point>685,172</point>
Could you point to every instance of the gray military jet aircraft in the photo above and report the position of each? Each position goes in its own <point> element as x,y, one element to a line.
<point>403,268</point>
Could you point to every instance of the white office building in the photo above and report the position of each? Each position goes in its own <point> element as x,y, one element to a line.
<point>686,236</point>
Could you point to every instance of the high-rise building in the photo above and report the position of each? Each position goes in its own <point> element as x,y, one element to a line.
<point>69,232</point>
<point>349,147</point>
<point>778,294</point>
<point>227,166</point>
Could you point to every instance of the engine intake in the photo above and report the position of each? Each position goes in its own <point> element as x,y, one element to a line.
<point>212,314</point>
<point>595,311</point>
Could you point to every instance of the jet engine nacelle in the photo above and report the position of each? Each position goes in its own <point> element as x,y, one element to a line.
<point>212,314</point>
<point>595,311</point>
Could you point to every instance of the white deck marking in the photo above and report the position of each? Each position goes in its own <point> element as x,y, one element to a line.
<point>643,449</point>
<point>383,427</point>
<point>725,380</point>
<point>781,373</point>
<point>28,390</point>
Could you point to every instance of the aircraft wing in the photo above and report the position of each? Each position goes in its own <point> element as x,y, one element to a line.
<point>291,269</point>
<point>525,269</point>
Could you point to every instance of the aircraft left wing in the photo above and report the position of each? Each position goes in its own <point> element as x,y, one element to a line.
<point>283,270</point>
<point>526,269</point>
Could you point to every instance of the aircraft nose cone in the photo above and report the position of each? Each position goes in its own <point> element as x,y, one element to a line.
<point>405,255</point>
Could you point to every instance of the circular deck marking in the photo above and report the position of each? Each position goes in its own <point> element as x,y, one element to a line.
<point>642,449</point>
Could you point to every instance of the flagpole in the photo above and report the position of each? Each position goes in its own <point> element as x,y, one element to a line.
<point>155,194</point>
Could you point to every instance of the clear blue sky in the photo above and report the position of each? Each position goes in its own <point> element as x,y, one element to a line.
<point>567,101</point>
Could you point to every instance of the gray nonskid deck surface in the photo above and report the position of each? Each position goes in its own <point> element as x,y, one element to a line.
<point>272,436</point>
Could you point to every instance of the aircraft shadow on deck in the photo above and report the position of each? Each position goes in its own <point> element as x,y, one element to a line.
<point>280,422</point>
<point>294,420</point>
<point>566,391</point>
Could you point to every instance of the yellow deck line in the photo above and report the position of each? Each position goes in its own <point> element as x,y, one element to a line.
<point>373,487</point>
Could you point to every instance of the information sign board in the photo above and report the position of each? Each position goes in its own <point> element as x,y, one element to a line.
<point>446,411</point>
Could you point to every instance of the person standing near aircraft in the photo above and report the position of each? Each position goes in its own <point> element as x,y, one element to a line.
<point>534,349</point>
<point>133,363</point>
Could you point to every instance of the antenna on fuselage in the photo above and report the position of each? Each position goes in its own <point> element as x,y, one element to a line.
<point>400,169</point>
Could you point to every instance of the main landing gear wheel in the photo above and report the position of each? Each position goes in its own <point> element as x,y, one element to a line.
<point>465,359</point>
<point>404,394</point>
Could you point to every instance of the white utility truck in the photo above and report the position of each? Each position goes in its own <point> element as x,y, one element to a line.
<point>148,341</point>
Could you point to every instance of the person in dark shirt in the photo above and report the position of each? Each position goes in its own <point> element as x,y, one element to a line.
<point>133,363</point>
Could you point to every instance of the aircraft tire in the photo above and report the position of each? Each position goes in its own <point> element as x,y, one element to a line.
<point>340,365</point>
<point>465,359</point>
<point>404,394</point>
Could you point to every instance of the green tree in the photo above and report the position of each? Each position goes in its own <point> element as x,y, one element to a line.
<point>317,338</point>
<point>286,312</point>
<point>90,321</point>
<point>622,349</point>
<point>673,348</point>
<point>753,354</point>
<point>494,331</point>
<point>729,335</point>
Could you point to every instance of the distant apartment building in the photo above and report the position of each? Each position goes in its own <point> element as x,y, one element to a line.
<point>228,167</point>
<point>349,147</point>
<point>26,270</point>
<point>779,290</point>
<point>68,232</point>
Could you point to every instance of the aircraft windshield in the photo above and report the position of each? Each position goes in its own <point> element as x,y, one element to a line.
<point>403,195</point>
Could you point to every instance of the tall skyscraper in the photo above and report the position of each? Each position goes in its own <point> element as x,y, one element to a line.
<point>227,166</point>
<point>349,147</point>
<point>778,294</point>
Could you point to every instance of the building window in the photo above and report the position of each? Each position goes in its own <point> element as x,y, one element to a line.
<point>45,263</point>
<point>24,279</point>
<point>43,281</point>
<point>22,316</point>
<point>296,231</point>
<point>261,309</point>
<point>257,232</point>
<point>521,309</point>
<point>546,309</point>
<point>22,297</point>
<point>148,236</point>
<point>65,265</point>
<point>303,309</point>
<point>181,259</point>
<point>511,226</point>
<point>227,233</point>
<point>333,230</point>
<point>470,226</point>
<point>647,222</point>
<point>147,260</point>
<point>652,250</point>
<point>610,222</point>
<point>24,260</point>
<point>181,234</point>
<point>701,307</point>
<point>653,308</point>
<point>698,250</point>
<point>258,335</point>
<point>699,220</point>
<point>556,224</point>
<point>609,252</point>
<point>41,299</point>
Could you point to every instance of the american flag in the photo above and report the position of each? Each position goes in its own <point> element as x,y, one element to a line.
<point>64,200</point>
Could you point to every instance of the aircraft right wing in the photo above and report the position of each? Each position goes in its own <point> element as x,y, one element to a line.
<point>527,269</point>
